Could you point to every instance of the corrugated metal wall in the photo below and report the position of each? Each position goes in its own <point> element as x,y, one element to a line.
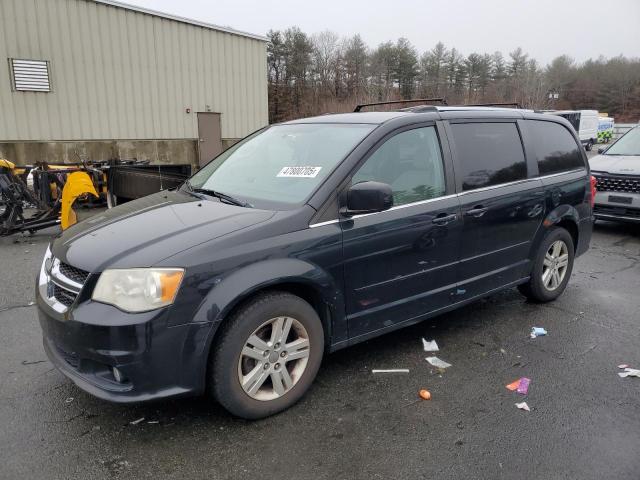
<point>120,74</point>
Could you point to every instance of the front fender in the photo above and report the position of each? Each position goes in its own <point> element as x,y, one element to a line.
<point>236,287</point>
<point>242,283</point>
<point>229,291</point>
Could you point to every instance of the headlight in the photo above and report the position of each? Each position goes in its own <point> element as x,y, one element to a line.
<point>138,289</point>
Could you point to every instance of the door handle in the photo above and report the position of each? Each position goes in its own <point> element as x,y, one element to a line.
<point>477,211</point>
<point>444,218</point>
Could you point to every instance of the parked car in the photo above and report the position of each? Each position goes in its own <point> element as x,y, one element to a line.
<point>585,123</point>
<point>307,237</point>
<point>617,170</point>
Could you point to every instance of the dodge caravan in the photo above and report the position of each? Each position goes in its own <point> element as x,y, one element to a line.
<point>307,237</point>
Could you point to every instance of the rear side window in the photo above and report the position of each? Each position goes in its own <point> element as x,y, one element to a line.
<point>556,149</point>
<point>489,154</point>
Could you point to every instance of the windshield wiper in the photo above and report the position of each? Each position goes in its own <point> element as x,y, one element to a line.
<point>223,197</point>
<point>190,189</point>
<point>213,193</point>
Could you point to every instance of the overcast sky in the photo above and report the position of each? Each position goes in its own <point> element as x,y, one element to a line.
<point>543,28</point>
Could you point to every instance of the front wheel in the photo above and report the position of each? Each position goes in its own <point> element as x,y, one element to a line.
<point>267,355</point>
<point>589,146</point>
<point>552,267</point>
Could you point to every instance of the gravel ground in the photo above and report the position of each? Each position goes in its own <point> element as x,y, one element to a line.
<point>584,421</point>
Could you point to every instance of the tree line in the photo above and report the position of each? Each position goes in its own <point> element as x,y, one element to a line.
<point>321,73</point>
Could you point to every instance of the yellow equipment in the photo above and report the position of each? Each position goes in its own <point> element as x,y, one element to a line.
<point>77,184</point>
<point>7,164</point>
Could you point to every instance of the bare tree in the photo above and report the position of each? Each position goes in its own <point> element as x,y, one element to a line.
<point>314,74</point>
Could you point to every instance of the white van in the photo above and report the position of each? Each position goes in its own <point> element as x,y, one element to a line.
<point>585,123</point>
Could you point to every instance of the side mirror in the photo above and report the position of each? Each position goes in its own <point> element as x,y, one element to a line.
<point>601,149</point>
<point>368,197</point>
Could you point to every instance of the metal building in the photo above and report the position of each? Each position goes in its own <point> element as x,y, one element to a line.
<point>102,79</point>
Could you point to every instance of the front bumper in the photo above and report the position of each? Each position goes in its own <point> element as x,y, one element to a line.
<point>610,206</point>
<point>155,359</point>
<point>149,355</point>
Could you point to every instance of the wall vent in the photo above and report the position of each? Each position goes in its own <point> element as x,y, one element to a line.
<point>30,75</point>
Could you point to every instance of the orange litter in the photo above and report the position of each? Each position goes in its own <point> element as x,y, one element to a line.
<point>425,394</point>
<point>513,385</point>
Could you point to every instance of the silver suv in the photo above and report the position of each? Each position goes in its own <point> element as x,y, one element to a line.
<point>617,171</point>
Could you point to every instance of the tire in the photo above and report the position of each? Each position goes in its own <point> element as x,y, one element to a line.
<point>535,289</point>
<point>261,317</point>
<point>589,146</point>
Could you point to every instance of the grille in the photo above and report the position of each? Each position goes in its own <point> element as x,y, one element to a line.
<point>64,296</point>
<point>73,273</point>
<point>66,282</point>
<point>626,184</point>
<point>617,211</point>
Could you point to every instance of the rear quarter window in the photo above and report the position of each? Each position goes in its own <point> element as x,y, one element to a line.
<point>555,148</point>
<point>488,154</point>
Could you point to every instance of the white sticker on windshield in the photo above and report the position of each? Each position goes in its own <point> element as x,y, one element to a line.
<point>302,172</point>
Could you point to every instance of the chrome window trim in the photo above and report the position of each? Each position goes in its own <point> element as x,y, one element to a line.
<point>322,224</point>
<point>429,200</point>
<point>557,174</point>
<point>406,205</point>
<point>499,185</point>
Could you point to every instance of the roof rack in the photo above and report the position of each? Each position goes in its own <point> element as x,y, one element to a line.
<point>420,109</point>
<point>503,104</point>
<point>416,100</point>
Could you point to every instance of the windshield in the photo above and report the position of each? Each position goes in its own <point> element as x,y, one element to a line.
<point>628,144</point>
<point>280,167</point>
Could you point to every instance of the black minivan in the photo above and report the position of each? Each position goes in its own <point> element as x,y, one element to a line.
<point>307,237</point>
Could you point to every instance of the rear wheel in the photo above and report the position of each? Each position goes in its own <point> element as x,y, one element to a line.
<point>589,145</point>
<point>552,267</point>
<point>267,355</point>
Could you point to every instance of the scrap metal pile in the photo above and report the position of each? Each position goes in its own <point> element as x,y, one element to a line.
<point>43,195</point>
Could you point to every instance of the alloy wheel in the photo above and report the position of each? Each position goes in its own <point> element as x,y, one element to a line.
<point>273,358</point>
<point>555,264</point>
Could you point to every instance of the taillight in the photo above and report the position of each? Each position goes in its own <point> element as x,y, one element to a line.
<point>594,182</point>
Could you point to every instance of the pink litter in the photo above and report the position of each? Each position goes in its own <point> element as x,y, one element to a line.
<point>523,387</point>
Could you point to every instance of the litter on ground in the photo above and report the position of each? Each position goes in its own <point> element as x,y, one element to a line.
<point>436,362</point>
<point>392,370</point>
<point>135,422</point>
<point>624,365</point>
<point>521,385</point>
<point>523,406</point>
<point>430,346</point>
<point>69,400</point>
<point>538,332</point>
<point>513,386</point>
<point>630,372</point>
<point>425,394</point>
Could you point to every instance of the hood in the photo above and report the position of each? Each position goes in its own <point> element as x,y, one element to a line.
<point>616,164</point>
<point>145,231</point>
